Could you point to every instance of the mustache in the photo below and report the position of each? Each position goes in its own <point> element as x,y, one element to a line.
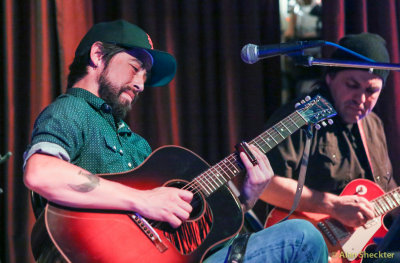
<point>127,88</point>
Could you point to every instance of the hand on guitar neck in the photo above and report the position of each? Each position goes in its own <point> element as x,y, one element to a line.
<point>257,179</point>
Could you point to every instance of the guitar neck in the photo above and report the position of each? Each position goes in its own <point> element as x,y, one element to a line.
<point>387,202</point>
<point>222,172</point>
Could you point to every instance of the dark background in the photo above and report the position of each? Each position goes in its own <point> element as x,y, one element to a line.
<point>215,100</point>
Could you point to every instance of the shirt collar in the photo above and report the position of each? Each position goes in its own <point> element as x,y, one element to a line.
<point>123,128</point>
<point>93,100</point>
<point>100,105</point>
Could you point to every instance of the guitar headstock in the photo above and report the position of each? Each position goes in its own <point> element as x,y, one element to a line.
<point>315,110</point>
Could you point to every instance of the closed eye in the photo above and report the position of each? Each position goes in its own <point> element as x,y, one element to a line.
<point>136,69</point>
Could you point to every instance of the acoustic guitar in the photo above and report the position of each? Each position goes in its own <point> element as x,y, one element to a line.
<point>83,235</point>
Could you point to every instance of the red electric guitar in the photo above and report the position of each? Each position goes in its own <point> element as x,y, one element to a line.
<point>83,235</point>
<point>348,244</point>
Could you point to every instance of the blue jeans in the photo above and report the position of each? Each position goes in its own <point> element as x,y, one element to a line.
<point>293,240</point>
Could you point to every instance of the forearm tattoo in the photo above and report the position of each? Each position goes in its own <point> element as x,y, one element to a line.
<point>94,181</point>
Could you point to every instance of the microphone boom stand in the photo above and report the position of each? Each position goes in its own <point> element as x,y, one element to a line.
<point>309,61</point>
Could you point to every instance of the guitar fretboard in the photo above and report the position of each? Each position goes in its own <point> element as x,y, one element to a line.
<point>387,202</point>
<point>222,172</point>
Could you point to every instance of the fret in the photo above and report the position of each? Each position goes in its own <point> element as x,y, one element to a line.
<point>231,166</point>
<point>226,169</point>
<point>202,187</point>
<point>266,142</point>
<point>287,128</point>
<point>271,137</point>
<point>236,170</point>
<point>301,116</point>
<point>219,166</point>
<point>389,201</point>
<point>193,187</point>
<point>220,174</point>
<point>213,183</point>
<point>295,124</point>
<point>396,196</point>
<point>259,147</point>
<point>217,176</point>
<point>277,131</point>
<point>205,183</point>
<point>386,202</point>
<point>379,206</point>
<point>284,131</point>
<point>383,205</point>
<point>376,213</point>
<point>393,199</point>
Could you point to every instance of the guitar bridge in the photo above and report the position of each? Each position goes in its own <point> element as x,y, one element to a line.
<point>149,231</point>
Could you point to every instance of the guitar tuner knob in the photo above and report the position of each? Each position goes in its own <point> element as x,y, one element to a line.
<point>324,124</point>
<point>317,126</point>
<point>307,98</point>
<point>297,105</point>
<point>330,121</point>
<point>302,101</point>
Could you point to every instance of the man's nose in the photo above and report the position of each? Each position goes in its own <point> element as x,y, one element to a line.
<point>360,97</point>
<point>138,81</point>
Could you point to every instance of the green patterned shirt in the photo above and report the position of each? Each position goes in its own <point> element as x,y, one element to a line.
<point>79,128</point>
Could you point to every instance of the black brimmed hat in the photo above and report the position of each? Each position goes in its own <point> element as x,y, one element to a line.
<point>130,36</point>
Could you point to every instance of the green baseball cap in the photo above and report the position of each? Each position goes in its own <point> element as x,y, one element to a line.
<point>130,36</point>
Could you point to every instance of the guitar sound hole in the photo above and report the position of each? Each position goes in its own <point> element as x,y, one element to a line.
<point>197,201</point>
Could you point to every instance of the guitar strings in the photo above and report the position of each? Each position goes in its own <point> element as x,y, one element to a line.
<point>198,183</point>
<point>194,186</point>
<point>271,132</point>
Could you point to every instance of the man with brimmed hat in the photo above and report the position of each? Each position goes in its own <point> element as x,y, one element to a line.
<point>353,147</point>
<point>83,133</point>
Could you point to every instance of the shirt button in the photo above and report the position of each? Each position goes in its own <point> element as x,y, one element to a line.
<point>129,164</point>
<point>121,151</point>
<point>115,147</point>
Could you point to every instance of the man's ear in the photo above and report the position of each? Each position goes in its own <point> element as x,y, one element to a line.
<point>96,54</point>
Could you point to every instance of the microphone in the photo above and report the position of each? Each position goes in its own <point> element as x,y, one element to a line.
<point>252,53</point>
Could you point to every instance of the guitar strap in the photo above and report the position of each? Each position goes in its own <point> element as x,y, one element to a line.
<point>302,173</point>
<point>238,248</point>
<point>364,141</point>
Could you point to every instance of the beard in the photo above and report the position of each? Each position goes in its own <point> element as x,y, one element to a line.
<point>111,93</point>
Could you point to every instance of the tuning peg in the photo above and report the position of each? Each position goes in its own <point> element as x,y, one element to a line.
<point>302,101</point>
<point>317,126</point>
<point>297,105</point>
<point>330,121</point>
<point>307,98</point>
<point>324,123</point>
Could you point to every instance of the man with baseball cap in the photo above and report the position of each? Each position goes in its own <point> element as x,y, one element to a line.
<point>82,134</point>
<point>353,147</point>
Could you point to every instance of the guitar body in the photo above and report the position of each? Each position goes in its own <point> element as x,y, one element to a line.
<point>118,236</point>
<point>344,243</point>
<point>104,236</point>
